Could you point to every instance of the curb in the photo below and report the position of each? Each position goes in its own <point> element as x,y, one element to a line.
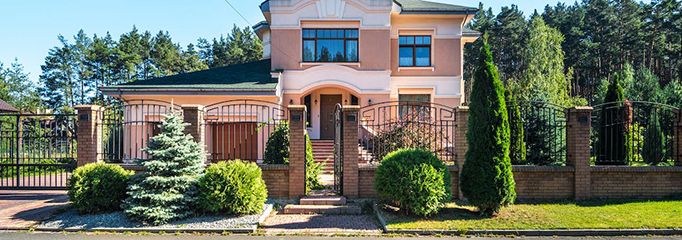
<point>136,230</point>
<point>532,233</point>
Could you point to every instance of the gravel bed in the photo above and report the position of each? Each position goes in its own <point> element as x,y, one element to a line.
<point>117,220</point>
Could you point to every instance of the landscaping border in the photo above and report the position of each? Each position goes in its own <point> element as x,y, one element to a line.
<point>529,232</point>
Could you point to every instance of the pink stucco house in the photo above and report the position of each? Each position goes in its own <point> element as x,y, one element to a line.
<point>319,53</point>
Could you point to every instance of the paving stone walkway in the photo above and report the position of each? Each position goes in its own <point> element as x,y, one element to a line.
<point>305,223</point>
<point>23,209</point>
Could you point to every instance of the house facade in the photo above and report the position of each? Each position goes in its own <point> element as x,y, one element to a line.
<point>320,53</point>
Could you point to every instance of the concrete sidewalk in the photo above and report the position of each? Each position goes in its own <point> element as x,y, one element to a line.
<point>24,208</point>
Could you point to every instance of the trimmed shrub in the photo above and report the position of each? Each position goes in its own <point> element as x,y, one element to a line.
<point>517,148</point>
<point>168,189</point>
<point>414,180</point>
<point>277,147</point>
<point>98,187</point>
<point>233,187</point>
<point>486,178</point>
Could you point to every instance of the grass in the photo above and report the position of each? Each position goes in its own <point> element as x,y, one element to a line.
<point>589,214</point>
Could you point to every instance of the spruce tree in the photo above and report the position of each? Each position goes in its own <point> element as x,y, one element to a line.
<point>612,149</point>
<point>486,179</point>
<point>168,189</point>
<point>517,147</point>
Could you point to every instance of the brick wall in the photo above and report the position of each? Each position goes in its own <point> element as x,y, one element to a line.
<point>635,181</point>
<point>276,178</point>
<point>543,182</point>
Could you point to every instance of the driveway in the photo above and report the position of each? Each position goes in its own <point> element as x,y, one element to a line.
<point>24,208</point>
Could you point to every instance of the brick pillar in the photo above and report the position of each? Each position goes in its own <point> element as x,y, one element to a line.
<point>194,115</point>
<point>578,148</point>
<point>297,143</point>
<point>461,145</point>
<point>89,132</point>
<point>678,139</point>
<point>350,151</point>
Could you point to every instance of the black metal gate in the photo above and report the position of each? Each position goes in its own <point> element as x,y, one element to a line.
<point>338,150</point>
<point>37,151</point>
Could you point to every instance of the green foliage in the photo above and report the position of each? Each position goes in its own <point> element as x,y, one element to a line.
<point>613,127</point>
<point>414,180</point>
<point>17,89</point>
<point>240,46</point>
<point>312,169</point>
<point>277,146</point>
<point>486,178</point>
<point>233,187</point>
<point>98,187</point>
<point>653,150</point>
<point>517,146</point>
<point>167,191</point>
<point>408,131</point>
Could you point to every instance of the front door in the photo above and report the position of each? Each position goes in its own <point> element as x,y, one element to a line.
<point>327,105</point>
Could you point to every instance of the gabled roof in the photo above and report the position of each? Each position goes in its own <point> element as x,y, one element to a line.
<point>6,107</point>
<point>252,76</point>
<point>419,6</point>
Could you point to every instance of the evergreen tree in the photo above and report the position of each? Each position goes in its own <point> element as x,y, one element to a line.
<point>612,142</point>
<point>18,90</point>
<point>486,179</point>
<point>167,191</point>
<point>653,150</point>
<point>517,147</point>
<point>240,46</point>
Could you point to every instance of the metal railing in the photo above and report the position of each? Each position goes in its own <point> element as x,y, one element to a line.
<point>543,128</point>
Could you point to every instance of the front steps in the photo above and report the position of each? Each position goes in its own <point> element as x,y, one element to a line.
<point>331,205</point>
<point>323,150</point>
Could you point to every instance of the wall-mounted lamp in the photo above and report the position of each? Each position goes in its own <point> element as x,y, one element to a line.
<point>369,101</point>
<point>291,101</point>
<point>315,101</point>
<point>345,102</point>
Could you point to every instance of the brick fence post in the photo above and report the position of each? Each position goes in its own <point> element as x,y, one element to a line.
<point>297,144</point>
<point>461,145</point>
<point>89,134</point>
<point>578,148</point>
<point>194,115</point>
<point>678,139</point>
<point>350,151</point>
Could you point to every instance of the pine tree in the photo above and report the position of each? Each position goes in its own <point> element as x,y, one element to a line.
<point>517,147</point>
<point>486,179</point>
<point>167,190</point>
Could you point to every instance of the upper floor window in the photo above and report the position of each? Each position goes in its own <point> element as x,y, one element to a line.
<point>415,51</point>
<point>330,45</point>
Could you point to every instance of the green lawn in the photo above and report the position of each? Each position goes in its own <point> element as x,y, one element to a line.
<point>592,214</point>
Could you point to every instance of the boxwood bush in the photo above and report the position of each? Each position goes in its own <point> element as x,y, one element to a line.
<point>233,187</point>
<point>98,187</point>
<point>414,180</point>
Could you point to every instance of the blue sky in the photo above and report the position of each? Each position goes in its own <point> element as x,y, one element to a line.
<point>29,28</point>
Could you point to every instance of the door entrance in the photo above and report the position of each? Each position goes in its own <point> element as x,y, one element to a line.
<point>327,105</point>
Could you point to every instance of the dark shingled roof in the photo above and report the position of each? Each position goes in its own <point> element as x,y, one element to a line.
<point>466,31</point>
<point>426,6</point>
<point>248,76</point>
<point>6,107</point>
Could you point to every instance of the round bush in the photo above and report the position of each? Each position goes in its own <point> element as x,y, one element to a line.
<point>233,187</point>
<point>98,187</point>
<point>414,180</point>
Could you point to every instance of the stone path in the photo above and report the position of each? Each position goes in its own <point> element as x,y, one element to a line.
<point>304,223</point>
<point>22,208</point>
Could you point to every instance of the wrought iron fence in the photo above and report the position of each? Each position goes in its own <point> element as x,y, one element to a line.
<point>543,128</point>
<point>633,133</point>
<point>37,151</point>
<point>338,149</point>
<point>240,129</point>
<point>127,126</point>
<point>389,126</point>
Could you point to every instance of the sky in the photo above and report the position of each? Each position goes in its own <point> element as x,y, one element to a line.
<point>29,28</point>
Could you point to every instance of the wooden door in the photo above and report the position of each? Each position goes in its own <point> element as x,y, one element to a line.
<point>234,141</point>
<point>327,106</point>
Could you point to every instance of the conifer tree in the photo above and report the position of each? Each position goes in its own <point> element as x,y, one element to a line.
<point>168,189</point>
<point>517,148</point>
<point>653,151</point>
<point>486,179</point>
<point>612,149</point>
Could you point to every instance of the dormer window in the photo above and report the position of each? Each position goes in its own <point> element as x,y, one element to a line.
<point>415,51</point>
<point>330,45</point>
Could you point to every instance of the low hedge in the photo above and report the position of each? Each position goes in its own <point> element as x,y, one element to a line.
<point>233,187</point>
<point>98,187</point>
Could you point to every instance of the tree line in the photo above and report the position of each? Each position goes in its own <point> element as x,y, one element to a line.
<point>593,40</point>
<point>77,67</point>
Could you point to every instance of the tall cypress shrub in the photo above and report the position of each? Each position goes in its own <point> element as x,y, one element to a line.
<point>167,191</point>
<point>653,151</point>
<point>517,147</point>
<point>613,127</point>
<point>486,179</point>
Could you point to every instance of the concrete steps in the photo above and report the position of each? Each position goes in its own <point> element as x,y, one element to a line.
<point>323,150</point>
<point>323,204</point>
